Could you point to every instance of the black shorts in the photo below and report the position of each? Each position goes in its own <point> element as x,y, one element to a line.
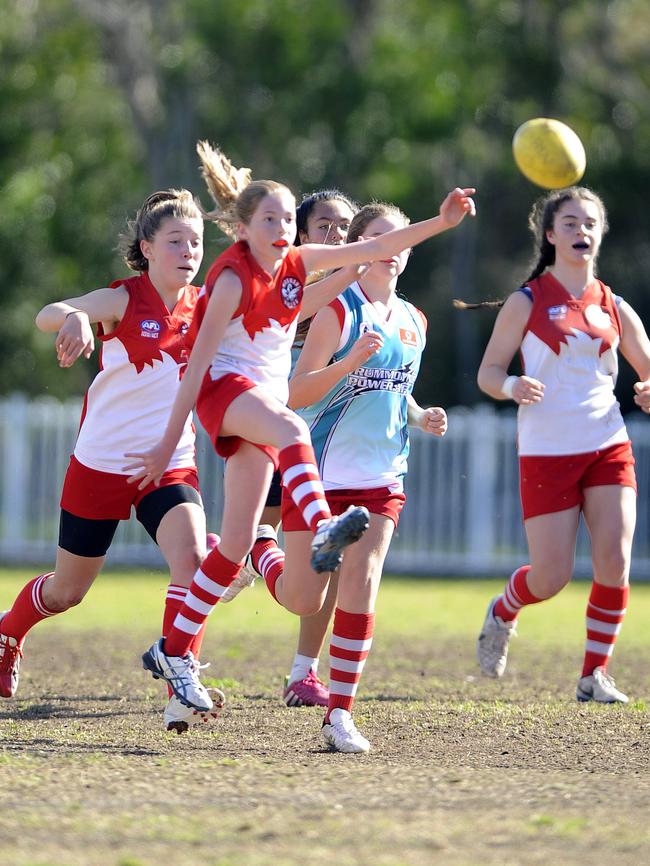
<point>84,536</point>
<point>275,490</point>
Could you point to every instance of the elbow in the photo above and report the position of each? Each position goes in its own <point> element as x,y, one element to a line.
<point>294,402</point>
<point>480,381</point>
<point>41,320</point>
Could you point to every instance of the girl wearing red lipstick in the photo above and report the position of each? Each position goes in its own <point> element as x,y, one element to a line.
<point>322,217</point>
<point>141,326</point>
<point>238,370</point>
<point>574,451</point>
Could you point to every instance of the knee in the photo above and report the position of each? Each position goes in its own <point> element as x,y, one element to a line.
<point>65,599</point>
<point>296,428</point>
<point>547,582</point>
<point>614,567</point>
<point>301,605</point>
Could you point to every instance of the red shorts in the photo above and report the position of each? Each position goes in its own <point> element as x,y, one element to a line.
<point>214,398</point>
<point>99,495</point>
<point>549,484</point>
<point>378,500</point>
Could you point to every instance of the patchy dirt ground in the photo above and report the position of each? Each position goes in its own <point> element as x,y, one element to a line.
<point>463,770</point>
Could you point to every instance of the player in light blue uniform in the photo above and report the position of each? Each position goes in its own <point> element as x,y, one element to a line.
<point>352,384</point>
<point>371,399</point>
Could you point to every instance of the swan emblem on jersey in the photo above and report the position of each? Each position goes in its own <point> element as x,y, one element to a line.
<point>291,292</point>
<point>597,317</point>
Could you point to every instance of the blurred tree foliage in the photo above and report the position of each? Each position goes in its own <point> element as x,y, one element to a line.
<point>102,100</point>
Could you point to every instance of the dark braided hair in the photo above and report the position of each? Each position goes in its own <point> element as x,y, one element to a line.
<point>540,221</point>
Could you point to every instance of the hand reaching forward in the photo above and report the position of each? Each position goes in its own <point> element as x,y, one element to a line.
<point>457,205</point>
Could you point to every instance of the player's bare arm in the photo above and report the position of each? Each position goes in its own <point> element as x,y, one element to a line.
<point>456,206</point>
<point>503,345</point>
<point>314,376</point>
<point>73,318</point>
<point>319,293</point>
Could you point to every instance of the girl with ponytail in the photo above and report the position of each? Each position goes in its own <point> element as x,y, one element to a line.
<point>575,455</point>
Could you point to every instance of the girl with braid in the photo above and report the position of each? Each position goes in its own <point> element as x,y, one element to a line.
<point>574,451</point>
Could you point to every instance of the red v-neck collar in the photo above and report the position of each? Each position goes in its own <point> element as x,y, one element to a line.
<point>589,290</point>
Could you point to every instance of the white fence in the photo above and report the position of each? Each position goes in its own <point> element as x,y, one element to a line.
<point>462,515</point>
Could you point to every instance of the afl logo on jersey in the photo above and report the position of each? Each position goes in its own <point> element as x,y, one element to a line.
<point>150,328</point>
<point>291,292</point>
<point>557,313</point>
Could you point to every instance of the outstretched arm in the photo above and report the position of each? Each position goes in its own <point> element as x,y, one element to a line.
<point>456,206</point>
<point>73,318</point>
<point>224,300</point>
<point>320,293</point>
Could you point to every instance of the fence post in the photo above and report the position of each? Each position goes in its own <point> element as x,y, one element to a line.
<point>481,479</point>
<point>15,471</point>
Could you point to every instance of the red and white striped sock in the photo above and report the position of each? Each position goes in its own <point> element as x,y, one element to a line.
<point>268,560</point>
<point>28,609</point>
<point>300,477</point>
<point>605,613</point>
<point>176,595</point>
<point>349,647</point>
<point>515,596</point>
<point>209,584</point>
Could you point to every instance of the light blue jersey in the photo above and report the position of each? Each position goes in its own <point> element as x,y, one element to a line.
<point>359,429</point>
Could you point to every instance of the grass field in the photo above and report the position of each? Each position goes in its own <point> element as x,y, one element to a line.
<point>463,770</point>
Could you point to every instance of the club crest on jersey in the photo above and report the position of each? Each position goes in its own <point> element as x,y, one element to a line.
<point>597,317</point>
<point>150,328</point>
<point>291,292</point>
<point>409,338</point>
<point>558,312</point>
<point>184,329</point>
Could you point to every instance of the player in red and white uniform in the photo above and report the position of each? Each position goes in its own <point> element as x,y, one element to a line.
<point>142,323</point>
<point>238,370</point>
<point>322,217</point>
<point>574,451</point>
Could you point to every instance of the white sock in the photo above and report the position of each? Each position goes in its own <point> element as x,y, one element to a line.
<point>301,667</point>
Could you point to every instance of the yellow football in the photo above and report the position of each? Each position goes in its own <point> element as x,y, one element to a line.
<point>549,153</point>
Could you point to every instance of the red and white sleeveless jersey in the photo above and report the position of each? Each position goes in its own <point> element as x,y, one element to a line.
<point>570,345</point>
<point>257,342</point>
<point>128,403</point>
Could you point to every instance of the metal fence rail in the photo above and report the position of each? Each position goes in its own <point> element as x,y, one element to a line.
<point>462,515</point>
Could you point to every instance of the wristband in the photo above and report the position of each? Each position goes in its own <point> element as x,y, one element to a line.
<point>508,386</point>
